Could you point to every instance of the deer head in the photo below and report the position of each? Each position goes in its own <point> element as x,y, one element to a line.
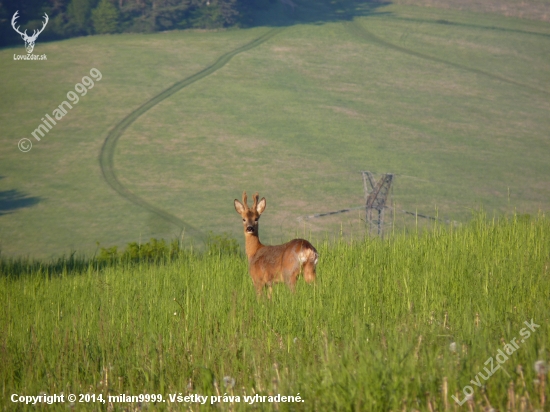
<point>250,215</point>
<point>29,40</point>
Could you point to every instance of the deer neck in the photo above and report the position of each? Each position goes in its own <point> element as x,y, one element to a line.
<point>252,244</point>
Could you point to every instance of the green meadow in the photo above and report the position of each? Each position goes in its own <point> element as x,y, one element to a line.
<point>453,99</point>
<point>454,103</point>
<point>398,324</point>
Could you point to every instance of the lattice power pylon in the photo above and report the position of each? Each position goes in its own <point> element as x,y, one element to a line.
<point>376,198</point>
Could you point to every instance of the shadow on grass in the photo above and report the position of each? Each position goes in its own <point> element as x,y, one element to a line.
<point>290,12</point>
<point>154,252</point>
<point>16,267</point>
<point>11,200</point>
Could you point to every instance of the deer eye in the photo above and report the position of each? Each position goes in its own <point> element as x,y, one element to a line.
<point>244,220</point>
<point>255,220</point>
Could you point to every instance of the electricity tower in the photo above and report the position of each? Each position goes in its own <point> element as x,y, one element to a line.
<point>376,198</point>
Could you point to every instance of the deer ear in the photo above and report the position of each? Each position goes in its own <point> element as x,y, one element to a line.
<point>239,207</point>
<point>261,206</point>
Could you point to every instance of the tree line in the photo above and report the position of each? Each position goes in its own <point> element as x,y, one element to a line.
<point>71,18</point>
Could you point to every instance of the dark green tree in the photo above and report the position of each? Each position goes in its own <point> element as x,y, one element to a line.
<point>154,15</point>
<point>169,14</point>
<point>105,18</point>
<point>207,16</point>
<point>78,15</point>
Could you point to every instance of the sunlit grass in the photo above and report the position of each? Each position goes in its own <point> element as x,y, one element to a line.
<point>373,333</point>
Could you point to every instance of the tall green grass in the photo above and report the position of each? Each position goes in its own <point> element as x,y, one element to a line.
<point>373,333</point>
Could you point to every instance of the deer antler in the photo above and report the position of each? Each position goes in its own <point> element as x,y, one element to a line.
<point>245,200</point>
<point>13,19</point>
<point>255,197</point>
<point>37,32</point>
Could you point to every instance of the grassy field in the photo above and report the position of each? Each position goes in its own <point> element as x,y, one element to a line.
<point>398,324</point>
<point>532,9</point>
<point>453,99</point>
<point>454,102</point>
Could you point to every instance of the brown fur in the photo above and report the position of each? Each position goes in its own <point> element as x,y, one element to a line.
<point>272,264</point>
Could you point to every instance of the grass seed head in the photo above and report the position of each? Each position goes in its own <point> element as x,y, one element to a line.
<point>540,367</point>
<point>228,382</point>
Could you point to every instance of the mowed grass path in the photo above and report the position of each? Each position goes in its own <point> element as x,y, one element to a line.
<point>400,324</point>
<point>455,103</point>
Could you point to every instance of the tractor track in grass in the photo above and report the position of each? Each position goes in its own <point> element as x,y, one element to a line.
<point>444,22</point>
<point>106,154</point>
<point>356,29</point>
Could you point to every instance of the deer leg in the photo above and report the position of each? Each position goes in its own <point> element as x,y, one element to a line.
<point>293,278</point>
<point>258,290</point>
<point>291,272</point>
<point>258,285</point>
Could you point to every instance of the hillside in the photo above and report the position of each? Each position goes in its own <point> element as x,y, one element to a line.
<point>453,102</point>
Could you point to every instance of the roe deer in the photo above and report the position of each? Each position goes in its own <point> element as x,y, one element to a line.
<point>272,264</point>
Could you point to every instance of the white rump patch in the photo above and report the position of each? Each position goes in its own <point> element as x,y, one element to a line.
<point>306,255</point>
